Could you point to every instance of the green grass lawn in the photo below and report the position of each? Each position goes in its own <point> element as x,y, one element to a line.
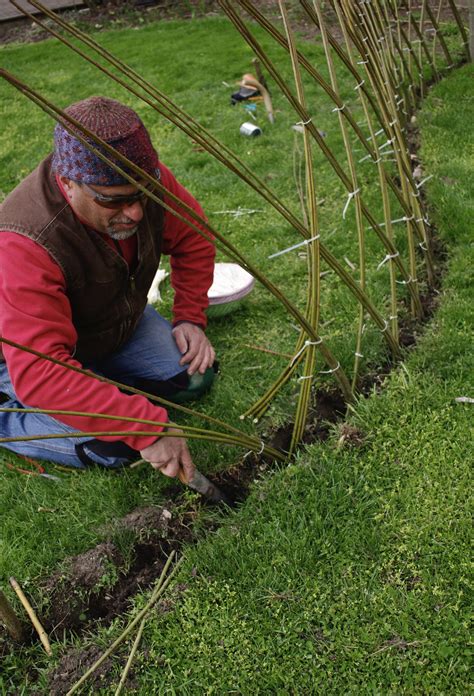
<point>344,570</point>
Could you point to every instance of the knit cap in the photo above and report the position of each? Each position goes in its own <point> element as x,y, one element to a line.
<point>119,126</point>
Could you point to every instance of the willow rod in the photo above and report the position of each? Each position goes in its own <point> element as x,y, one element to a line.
<point>33,618</point>
<point>163,105</point>
<point>355,186</point>
<point>307,119</point>
<point>462,28</point>
<point>382,180</point>
<point>105,380</point>
<point>187,430</point>
<point>70,122</point>
<point>258,186</point>
<point>159,589</point>
<point>314,288</point>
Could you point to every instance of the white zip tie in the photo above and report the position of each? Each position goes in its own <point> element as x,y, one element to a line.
<point>385,327</point>
<point>392,123</point>
<point>305,345</point>
<point>389,142</point>
<point>365,158</point>
<point>407,282</point>
<point>423,246</point>
<point>327,372</point>
<point>349,198</point>
<point>415,194</point>
<point>359,85</point>
<point>423,181</point>
<point>464,400</point>
<point>300,379</point>
<point>382,130</point>
<point>387,258</point>
<point>238,212</point>
<point>408,219</point>
<point>338,108</point>
<point>362,62</point>
<point>305,242</point>
<point>262,447</point>
<point>358,355</point>
<point>303,123</point>
<point>349,263</point>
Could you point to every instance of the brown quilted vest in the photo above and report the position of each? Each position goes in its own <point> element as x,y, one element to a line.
<point>106,297</point>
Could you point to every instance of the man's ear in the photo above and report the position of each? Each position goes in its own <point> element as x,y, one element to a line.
<point>67,183</point>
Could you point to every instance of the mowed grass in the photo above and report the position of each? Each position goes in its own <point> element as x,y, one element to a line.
<point>282,590</point>
<point>190,61</point>
<point>348,571</point>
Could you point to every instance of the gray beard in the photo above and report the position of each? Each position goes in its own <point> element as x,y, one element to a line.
<point>120,235</point>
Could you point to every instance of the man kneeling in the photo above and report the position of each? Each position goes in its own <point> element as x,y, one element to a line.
<point>79,248</point>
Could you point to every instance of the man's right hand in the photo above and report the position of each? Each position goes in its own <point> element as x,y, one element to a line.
<point>169,455</point>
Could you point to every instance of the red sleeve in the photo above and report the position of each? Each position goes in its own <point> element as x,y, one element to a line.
<point>192,257</point>
<point>35,312</point>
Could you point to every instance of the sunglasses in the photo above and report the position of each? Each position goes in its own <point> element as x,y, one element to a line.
<point>121,201</point>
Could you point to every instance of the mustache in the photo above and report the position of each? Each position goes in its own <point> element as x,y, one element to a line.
<point>120,220</point>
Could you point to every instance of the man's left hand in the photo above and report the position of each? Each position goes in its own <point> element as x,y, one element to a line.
<point>195,347</point>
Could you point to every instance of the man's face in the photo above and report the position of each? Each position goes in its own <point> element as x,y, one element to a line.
<point>118,223</point>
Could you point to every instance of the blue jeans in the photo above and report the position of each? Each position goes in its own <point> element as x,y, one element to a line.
<point>150,355</point>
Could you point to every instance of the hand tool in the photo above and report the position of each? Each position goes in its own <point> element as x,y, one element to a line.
<point>202,485</point>
<point>198,483</point>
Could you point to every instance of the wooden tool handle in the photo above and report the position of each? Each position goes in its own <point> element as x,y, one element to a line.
<point>182,476</point>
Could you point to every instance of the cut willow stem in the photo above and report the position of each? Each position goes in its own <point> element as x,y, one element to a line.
<point>307,119</point>
<point>260,406</point>
<point>151,397</point>
<point>383,78</point>
<point>131,657</point>
<point>381,115</point>
<point>437,28</point>
<point>378,75</point>
<point>33,618</point>
<point>158,591</point>
<point>256,184</point>
<point>12,623</point>
<point>355,187</point>
<point>382,180</point>
<point>461,28</point>
<point>313,301</point>
<point>70,124</point>
<point>261,349</point>
<point>186,430</point>
<point>205,436</point>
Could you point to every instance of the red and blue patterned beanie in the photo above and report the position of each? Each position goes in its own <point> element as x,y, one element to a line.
<point>119,126</point>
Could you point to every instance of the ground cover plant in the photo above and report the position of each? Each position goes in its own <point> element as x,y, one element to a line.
<point>261,321</point>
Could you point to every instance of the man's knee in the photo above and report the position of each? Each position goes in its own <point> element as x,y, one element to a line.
<point>110,455</point>
<point>181,387</point>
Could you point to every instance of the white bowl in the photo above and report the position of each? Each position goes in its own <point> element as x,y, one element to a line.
<point>231,284</point>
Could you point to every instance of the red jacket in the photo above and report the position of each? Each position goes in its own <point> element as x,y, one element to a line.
<point>35,311</point>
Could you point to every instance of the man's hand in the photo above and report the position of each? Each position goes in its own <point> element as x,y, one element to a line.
<point>169,455</point>
<point>195,347</point>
